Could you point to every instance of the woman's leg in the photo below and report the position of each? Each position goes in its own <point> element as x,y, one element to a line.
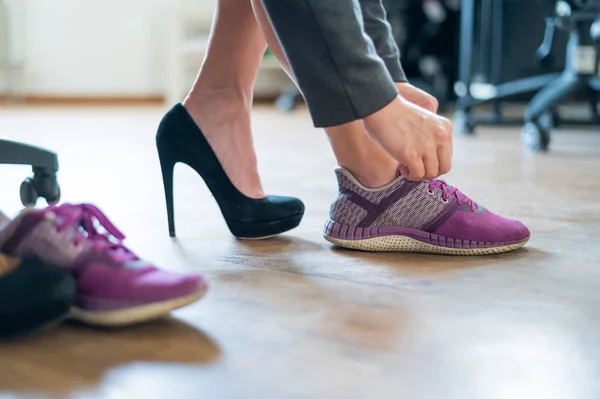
<point>352,147</point>
<point>221,99</point>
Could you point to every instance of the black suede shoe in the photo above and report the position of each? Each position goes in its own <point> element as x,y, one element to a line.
<point>180,140</point>
<point>32,296</point>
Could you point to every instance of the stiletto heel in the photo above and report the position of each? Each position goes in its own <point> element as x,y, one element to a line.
<point>180,140</point>
<point>167,166</point>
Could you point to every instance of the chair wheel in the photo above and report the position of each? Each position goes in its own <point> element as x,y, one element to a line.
<point>47,187</point>
<point>535,137</point>
<point>29,194</point>
<point>41,185</point>
<point>54,198</point>
<point>462,125</point>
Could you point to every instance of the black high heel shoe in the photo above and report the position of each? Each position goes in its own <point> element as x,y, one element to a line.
<point>180,140</point>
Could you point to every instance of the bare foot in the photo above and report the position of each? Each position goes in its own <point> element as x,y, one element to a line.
<point>225,122</point>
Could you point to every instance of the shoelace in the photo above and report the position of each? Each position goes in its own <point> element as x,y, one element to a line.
<point>87,220</point>
<point>448,191</point>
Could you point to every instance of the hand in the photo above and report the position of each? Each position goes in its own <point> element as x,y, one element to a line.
<point>418,139</point>
<point>417,96</point>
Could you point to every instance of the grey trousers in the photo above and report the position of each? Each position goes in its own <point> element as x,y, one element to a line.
<point>342,53</point>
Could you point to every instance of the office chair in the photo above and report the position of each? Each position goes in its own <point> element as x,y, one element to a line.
<point>45,163</point>
<point>581,20</point>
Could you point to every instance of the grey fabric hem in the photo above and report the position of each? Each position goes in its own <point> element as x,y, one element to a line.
<point>395,69</point>
<point>373,107</point>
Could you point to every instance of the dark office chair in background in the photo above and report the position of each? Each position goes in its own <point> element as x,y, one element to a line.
<point>581,19</point>
<point>45,163</point>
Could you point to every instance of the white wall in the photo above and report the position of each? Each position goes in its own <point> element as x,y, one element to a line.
<point>93,47</point>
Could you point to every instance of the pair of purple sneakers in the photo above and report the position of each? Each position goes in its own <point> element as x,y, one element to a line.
<point>114,286</point>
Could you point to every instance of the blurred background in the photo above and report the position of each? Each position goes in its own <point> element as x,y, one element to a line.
<point>84,85</point>
<point>146,50</point>
<point>150,51</point>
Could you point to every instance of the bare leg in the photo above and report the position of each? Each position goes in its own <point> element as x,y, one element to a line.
<point>352,147</point>
<point>221,99</point>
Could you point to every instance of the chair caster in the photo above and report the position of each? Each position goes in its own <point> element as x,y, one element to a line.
<point>462,125</point>
<point>43,185</point>
<point>549,120</point>
<point>535,137</point>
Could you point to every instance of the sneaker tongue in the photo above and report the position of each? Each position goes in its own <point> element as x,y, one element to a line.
<point>439,183</point>
<point>116,250</point>
<point>455,192</point>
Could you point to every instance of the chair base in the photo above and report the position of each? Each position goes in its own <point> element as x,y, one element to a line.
<point>540,115</point>
<point>44,164</point>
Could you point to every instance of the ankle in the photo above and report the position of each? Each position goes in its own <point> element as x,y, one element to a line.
<point>229,94</point>
<point>223,116</point>
<point>373,174</point>
<point>354,150</point>
<point>213,107</point>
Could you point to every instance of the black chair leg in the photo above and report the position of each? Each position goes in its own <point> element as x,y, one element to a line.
<point>15,153</point>
<point>546,98</point>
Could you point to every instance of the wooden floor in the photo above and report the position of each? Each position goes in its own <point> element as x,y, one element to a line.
<point>292,317</point>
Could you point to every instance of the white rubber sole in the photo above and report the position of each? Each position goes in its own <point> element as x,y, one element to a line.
<point>399,243</point>
<point>135,315</point>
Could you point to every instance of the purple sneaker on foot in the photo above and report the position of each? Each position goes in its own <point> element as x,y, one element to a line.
<point>114,286</point>
<point>429,217</point>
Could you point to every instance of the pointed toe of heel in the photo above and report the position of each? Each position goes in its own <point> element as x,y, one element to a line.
<point>264,218</point>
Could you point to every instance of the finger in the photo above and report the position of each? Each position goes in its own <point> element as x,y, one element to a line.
<point>449,133</point>
<point>430,104</point>
<point>404,171</point>
<point>444,159</point>
<point>416,170</point>
<point>430,161</point>
<point>418,97</point>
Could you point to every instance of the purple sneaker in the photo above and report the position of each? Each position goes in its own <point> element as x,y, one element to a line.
<point>429,217</point>
<point>114,286</point>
